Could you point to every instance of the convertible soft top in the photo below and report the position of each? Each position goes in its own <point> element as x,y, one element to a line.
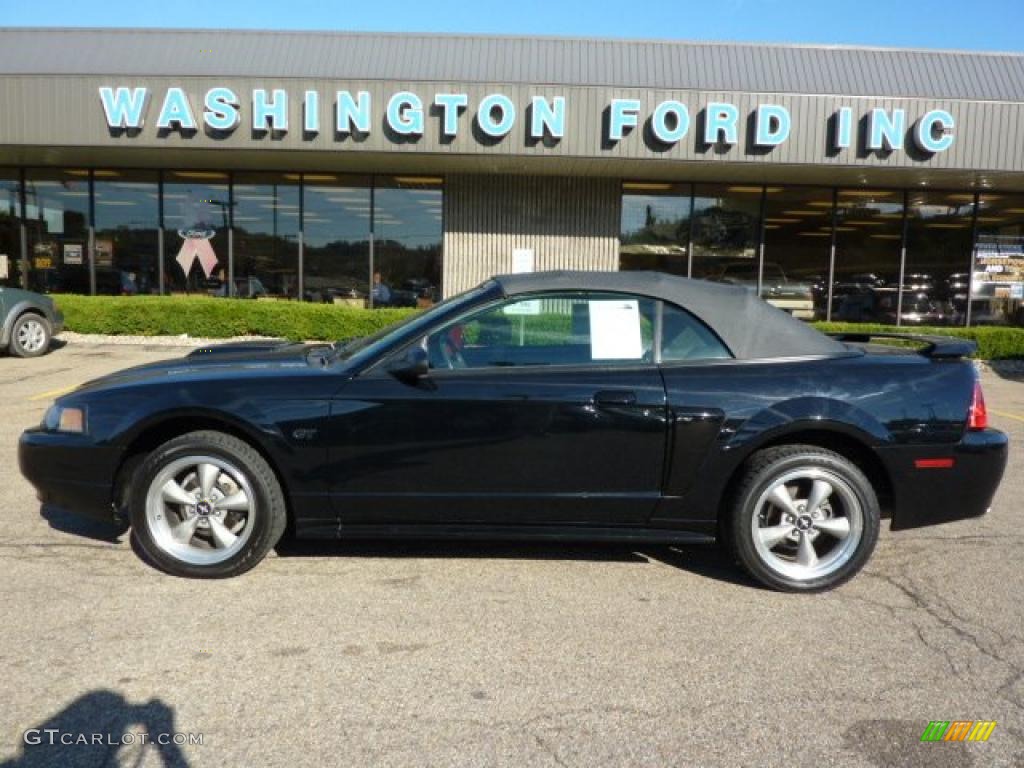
<point>749,326</point>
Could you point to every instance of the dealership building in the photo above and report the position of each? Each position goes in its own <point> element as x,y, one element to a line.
<point>854,184</point>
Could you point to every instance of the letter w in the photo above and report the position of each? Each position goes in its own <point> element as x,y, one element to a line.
<point>124,107</point>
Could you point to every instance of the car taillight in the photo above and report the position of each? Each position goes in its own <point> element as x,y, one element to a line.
<point>977,416</point>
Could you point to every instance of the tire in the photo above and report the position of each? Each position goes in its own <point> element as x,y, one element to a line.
<point>30,335</point>
<point>803,519</point>
<point>206,505</point>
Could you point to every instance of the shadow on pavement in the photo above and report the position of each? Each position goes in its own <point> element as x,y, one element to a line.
<point>890,743</point>
<point>1011,370</point>
<point>102,728</point>
<point>702,560</point>
<point>68,522</point>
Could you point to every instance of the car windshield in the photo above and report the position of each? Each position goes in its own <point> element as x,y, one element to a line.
<point>345,350</point>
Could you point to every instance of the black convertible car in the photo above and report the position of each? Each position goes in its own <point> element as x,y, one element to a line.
<point>614,406</point>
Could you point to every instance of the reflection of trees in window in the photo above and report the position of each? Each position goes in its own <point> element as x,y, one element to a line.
<point>655,232</point>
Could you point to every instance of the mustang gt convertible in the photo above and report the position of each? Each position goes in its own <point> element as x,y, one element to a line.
<point>635,407</point>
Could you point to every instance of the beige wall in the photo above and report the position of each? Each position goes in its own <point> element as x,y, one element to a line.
<point>570,223</point>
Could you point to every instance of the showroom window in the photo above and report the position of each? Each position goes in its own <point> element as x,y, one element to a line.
<point>725,228</point>
<point>266,235</point>
<point>336,238</point>
<point>868,237</point>
<point>197,211</point>
<point>126,205</point>
<point>57,223</point>
<point>655,231</point>
<point>11,267</point>
<point>938,258</point>
<point>797,251</point>
<point>407,234</point>
<point>998,279</point>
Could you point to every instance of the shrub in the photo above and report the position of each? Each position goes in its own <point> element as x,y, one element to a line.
<point>221,318</point>
<point>994,342</point>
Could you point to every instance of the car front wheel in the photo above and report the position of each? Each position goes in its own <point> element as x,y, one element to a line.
<point>30,336</point>
<point>206,505</point>
<point>804,519</point>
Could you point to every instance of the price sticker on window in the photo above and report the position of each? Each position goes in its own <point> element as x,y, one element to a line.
<point>615,330</point>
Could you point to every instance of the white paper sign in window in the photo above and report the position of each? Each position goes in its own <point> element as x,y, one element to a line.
<point>615,330</point>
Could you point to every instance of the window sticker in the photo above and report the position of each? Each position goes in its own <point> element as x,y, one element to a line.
<point>615,330</point>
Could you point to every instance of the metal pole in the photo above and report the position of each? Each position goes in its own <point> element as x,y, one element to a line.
<point>689,235</point>
<point>160,232</point>
<point>373,216</point>
<point>760,240</point>
<point>974,251</point>
<point>832,255</point>
<point>92,237</point>
<point>903,264</point>
<point>231,237</point>
<point>23,234</point>
<point>302,240</point>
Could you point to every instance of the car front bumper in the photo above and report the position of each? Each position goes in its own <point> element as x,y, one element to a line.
<point>927,492</point>
<point>56,322</point>
<point>69,471</point>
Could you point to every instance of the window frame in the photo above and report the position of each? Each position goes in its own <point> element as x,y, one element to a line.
<point>656,361</point>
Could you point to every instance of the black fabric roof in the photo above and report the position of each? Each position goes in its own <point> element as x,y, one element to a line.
<point>749,326</point>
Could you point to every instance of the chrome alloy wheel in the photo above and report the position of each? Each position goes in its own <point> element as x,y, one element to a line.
<point>807,524</point>
<point>199,510</point>
<point>31,335</point>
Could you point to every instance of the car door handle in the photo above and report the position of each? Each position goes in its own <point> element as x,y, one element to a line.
<point>614,397</point>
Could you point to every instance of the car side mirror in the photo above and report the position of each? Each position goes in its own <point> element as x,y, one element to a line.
<point>413,367</point>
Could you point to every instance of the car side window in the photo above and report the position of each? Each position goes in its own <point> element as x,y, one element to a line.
<point>684,337</point>
<point>549,329</point>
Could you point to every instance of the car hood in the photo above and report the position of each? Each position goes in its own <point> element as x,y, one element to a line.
<point>216,361</point>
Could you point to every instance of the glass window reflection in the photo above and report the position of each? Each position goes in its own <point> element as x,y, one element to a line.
<point>997,286</point>
<point>336,238</point>
<point>196,216</point>
<point>11,266</point>
<point>57,221</point>
<point>655,231</point>
<point>797,250</point>
<point>266,235</point>
<point>407,232</point>
<point>868,233</point>
<point>127,211</point>
<point>935,276</point>
<point>725,224</point>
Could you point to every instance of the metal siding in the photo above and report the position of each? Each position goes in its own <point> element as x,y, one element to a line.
<point>570,223</point>
<point>62,112</point>
<point>660,64</point>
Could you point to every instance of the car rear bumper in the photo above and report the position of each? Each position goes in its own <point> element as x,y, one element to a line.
<point>938,484</point>
<point>69,471</point>
<point>57,322</point>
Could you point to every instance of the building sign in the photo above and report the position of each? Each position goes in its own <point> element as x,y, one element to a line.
<point>998,268</point>
<point>406,115</point>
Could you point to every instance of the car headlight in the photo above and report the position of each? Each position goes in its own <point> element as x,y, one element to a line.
<point>63,419</point>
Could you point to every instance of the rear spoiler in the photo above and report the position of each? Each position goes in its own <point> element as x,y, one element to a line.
<point>935,346</point>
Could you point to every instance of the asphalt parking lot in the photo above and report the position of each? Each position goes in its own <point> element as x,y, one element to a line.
<point>474,654</point>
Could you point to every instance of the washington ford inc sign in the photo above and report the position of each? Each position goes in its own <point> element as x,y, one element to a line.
<point>405,115</point>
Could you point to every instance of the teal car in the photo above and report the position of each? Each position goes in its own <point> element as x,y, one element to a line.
<point>28,321</point>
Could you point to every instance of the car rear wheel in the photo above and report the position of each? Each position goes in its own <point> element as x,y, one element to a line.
<point>30,336</point>
<point>206,505</point>
<point>804,519</point>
